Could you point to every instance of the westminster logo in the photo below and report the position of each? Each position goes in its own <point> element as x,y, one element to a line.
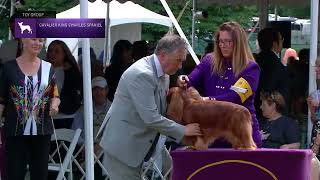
<point>24,28</point>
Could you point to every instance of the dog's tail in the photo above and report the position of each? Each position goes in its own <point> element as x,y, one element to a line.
<point>242,136</point>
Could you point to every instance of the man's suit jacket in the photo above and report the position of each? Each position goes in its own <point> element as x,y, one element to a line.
<point>273,76</point>
<point>134,118</point>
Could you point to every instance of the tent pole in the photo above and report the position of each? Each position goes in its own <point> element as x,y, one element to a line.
<point>12,11</point>
<point>264,15</point>
<point>88,112</point>
<point>275,13</point>
<point>178,28</point>
<point>106,54</point>
<point>313,56</point>
<point>194,11</point>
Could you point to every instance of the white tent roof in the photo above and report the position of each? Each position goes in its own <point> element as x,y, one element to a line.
<point>128,15</point>
<point>125,13</point>
<point>242,2</point>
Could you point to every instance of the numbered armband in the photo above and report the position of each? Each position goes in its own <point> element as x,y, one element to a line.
<point>243,89</point>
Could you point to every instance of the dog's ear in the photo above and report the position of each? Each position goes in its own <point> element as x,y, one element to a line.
<point>175,107</point>
<point>171,91</point>
<point>169,96</point>
<point>193,93</point>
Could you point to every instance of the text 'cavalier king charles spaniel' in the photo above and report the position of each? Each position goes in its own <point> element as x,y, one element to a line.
<point>216,119</point>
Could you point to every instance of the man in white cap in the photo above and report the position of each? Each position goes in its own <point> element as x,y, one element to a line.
<point>101,105</point>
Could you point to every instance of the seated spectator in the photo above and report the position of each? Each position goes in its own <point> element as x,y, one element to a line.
<point>139,50</point>
<point>313,105</point>
<point>208,49</point>
<point>289,53</point>
<point>298,86</point>
<point>95,63</point>
<point>278,131</point>
<point>93,57</point>
<point>313,99</point>
<point>121,59</point>
<point>151,47</point>
<point>100,108</point>
<point>96,69</point>
<point>315,141</point>
<point>69,80</point>
<point>304,55</point>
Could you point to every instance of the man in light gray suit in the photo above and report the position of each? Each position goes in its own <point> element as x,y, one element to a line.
<point>136,116</point>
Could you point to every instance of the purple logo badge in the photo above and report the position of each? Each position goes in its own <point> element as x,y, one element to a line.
<point>70,28</point>
<point>59,28</point>
<point>25,28</point>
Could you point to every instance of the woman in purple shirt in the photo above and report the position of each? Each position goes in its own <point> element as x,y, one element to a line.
<point>228,74</point>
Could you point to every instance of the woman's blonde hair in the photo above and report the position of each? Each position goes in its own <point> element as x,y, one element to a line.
<point>241,53</point>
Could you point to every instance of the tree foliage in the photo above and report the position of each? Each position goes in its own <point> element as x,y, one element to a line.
<point>205,28</point>
<point>4,16</point>
<point>49,5</point>
<point>298,12</point>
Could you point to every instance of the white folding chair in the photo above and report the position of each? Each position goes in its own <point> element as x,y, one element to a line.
<point>96,157</point>
<point>63,135</point>
<point>155,164</point>
<point>96,161</point>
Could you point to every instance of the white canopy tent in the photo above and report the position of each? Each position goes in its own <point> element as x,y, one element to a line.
<point>122,25</point>
<point>125,13</point>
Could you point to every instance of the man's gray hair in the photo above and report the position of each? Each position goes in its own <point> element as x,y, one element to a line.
<point>170,43</point>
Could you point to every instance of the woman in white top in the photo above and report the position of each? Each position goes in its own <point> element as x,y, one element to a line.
<point>29,95</point>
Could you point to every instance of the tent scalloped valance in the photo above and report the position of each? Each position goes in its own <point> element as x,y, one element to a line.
<point>244,2</point>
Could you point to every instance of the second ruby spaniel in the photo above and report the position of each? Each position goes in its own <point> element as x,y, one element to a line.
<point>216,119</point>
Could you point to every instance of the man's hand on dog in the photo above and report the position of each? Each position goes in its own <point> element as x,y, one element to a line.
<point>182,81</point>
<point>192,130</point>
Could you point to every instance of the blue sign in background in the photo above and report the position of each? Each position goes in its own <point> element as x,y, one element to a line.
<point>60,28</point>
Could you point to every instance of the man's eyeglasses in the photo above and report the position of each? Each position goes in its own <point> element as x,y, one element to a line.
<point>226,42</point>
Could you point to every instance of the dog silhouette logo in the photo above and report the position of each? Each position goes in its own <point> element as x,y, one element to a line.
<point>24,27</point>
